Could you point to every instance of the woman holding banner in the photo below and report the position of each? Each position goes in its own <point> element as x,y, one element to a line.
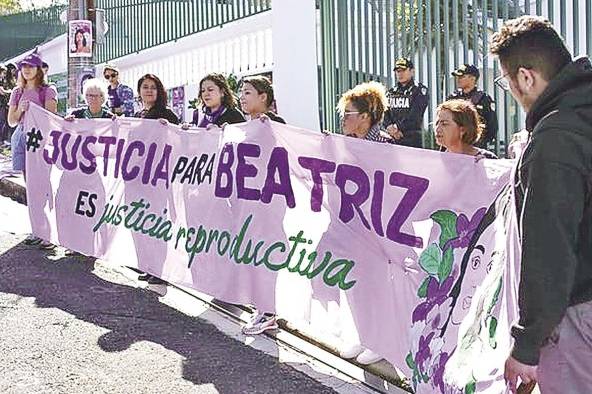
<point>361,110</point>
<point>95,95</point>
<point>257,98</point>
<point>458,128</point>
<point>154,100</point>
<point>219,104</point>
<point>31,88</point>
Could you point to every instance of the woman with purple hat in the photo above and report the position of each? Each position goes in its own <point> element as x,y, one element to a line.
<point>31,88</point>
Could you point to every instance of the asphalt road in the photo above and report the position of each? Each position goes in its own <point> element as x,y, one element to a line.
<point>70,326</point>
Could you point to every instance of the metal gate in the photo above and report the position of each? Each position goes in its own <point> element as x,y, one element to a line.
<point>360,40</point>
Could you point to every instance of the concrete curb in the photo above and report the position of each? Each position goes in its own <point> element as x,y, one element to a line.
<point>12,188</point>
<point>381,376</point>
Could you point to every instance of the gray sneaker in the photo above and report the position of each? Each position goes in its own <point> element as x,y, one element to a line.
<point>263,322</point>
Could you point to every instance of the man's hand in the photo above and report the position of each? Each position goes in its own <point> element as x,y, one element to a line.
<point>394,132</point>
<point>514,369</point>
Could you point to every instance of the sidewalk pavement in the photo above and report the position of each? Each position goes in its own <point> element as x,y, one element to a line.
<point>380,376</point>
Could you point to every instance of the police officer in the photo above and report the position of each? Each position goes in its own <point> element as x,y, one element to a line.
<point>407,103</point>
<point>466,83</point>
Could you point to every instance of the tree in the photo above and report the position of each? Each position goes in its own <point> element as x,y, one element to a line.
<point>9,7</point>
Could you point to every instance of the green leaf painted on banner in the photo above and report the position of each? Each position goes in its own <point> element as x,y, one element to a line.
<point>446,265</point>
<point>492,330</point>
<point>447,221</point>
<point>430,259</point>
<point>409,361</point>
<point>422,292</point>
<point>470,388</point>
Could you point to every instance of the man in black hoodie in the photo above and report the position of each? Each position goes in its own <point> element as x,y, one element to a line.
<point>553,192</point>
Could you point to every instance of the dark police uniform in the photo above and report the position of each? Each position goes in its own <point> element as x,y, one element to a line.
<point>407,104</point>
<point>483,103</point>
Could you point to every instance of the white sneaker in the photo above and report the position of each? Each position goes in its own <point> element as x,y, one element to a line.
<point>368,357</point>
<point>263,322</point>
<point>351,351</point>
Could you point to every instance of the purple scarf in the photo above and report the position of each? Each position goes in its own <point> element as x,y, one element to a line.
<point>211,117</point>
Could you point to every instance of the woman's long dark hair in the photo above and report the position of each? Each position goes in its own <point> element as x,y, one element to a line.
<point>83,36</point>
<point>229,101</point>
<point>161,96</point>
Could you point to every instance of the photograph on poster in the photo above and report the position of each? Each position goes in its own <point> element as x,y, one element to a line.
<point>80,38</point>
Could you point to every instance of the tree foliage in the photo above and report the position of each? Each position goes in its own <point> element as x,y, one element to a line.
<point>9,7</point>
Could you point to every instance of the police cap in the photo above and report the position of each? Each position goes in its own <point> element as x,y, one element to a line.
<point>466,69</point>
<point>403,64</point>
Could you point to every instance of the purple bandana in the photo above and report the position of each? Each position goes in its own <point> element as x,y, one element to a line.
<point>211,117</point>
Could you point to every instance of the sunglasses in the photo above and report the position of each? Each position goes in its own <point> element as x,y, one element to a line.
<point>109,76</point>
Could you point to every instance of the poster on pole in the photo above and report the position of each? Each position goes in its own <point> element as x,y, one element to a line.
<point>80,38</point>
<point>177,101</point>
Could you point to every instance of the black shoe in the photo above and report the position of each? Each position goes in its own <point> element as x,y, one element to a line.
<point>144,277</point>
<point>153,280</point>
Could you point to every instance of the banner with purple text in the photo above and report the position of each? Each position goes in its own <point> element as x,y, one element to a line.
<point>409,252</point>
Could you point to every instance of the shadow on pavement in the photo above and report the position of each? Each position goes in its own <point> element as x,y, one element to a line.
<point>132,315</point>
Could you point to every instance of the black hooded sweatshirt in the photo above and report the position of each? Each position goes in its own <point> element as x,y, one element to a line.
<point>553,189</point>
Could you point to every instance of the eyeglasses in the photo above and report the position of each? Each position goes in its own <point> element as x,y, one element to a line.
<point>88,95</point>
<point>502,82</point>
<point>346,113</point>
<point>109,76</point>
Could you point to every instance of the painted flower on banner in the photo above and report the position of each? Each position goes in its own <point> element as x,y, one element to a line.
<point>465,229</point>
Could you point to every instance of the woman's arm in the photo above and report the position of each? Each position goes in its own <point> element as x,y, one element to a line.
<point>14,115</point>
<point>51,105</point>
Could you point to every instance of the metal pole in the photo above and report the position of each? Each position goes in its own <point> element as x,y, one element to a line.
<point>562,17</point>
<point>495,73</point>
<point>437,25</point>
<point>446,49</point>
<point>77,9</point>
<point>421,48</point>
<point>589,27</point>
<point>389,54</point>
<point>455,32</point>
<point>465,31</point>
<point>576,27</point>
<point>475,34</point>
<point>484,43</point>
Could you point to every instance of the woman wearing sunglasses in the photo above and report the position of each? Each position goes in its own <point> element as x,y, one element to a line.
<point>362,109</point>
<point>121,97</point>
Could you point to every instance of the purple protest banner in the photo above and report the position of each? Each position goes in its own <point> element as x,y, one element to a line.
<point>409,252</point>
